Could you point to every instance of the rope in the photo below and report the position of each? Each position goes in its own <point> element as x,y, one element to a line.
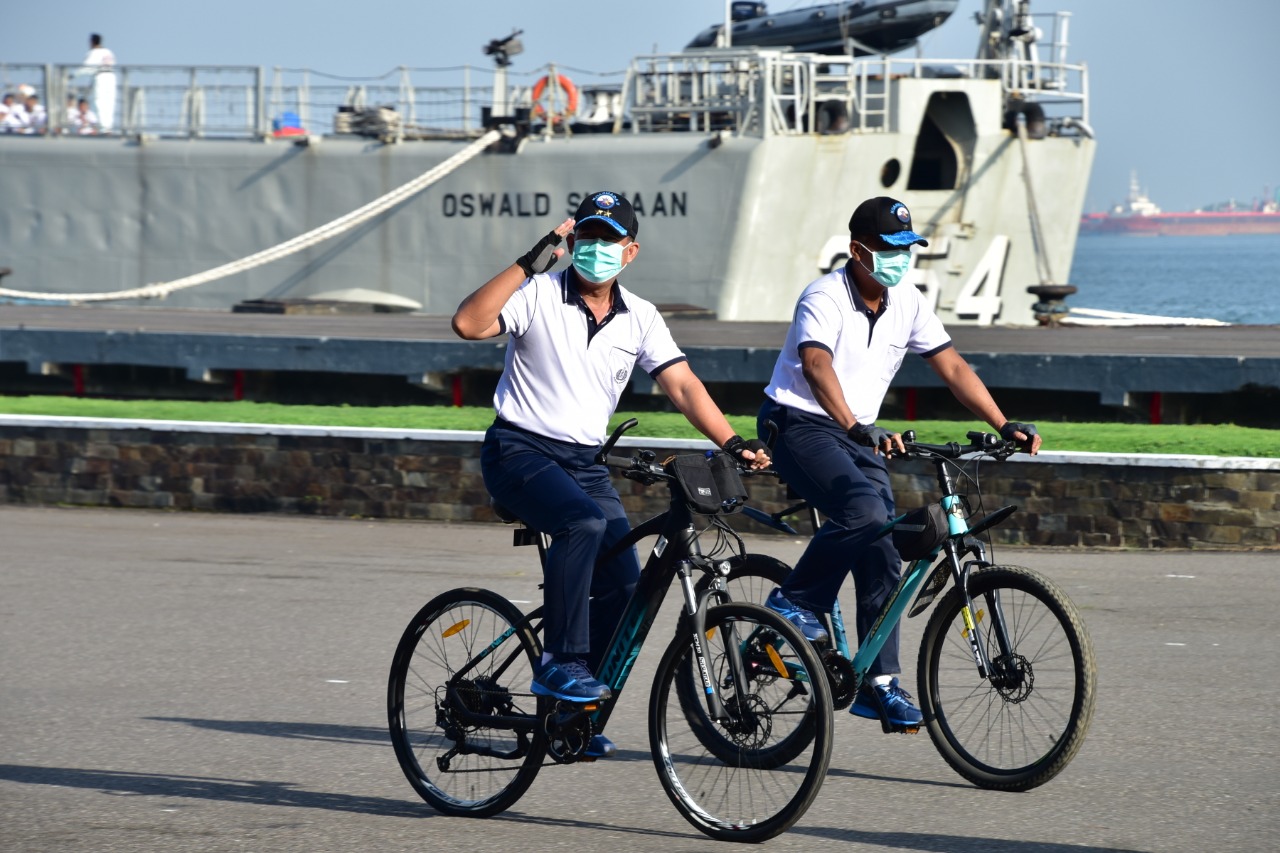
<point>297,244</point>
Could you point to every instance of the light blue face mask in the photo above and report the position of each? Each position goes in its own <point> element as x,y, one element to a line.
<point>597,261</point>
<point>889,268</point>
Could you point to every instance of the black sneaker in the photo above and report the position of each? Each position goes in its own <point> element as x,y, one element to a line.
<point>571,681</point>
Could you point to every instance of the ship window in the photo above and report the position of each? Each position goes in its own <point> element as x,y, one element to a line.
<point>944,145</point>
<point>890,172</point>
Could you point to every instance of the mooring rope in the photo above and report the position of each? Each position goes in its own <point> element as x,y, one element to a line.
<point>297,244</point>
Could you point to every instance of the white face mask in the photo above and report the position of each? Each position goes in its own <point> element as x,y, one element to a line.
<point>888,267</point>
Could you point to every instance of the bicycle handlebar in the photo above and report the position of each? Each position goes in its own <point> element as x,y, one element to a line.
<point>979,442</point>
<point>643,467</point>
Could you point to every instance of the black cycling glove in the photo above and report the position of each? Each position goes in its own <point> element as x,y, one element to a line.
<point>736,444</point>
<point>869,435</point>
<point>542,256</point>
<point>1010,427</point>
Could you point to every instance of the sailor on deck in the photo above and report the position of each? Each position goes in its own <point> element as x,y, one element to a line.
<point>101,63</point>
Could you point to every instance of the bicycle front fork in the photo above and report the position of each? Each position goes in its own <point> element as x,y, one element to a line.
<point>973,616</point>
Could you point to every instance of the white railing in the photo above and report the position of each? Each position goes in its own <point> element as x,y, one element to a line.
<point>759,92</point>
<point>747,91</point>
<point>247,101</point>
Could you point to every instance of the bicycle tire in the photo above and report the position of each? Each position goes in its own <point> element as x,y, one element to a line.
<point>748,793</point>
<point>1019,735</point>
<point>444,636</point>
<point>753,576</point>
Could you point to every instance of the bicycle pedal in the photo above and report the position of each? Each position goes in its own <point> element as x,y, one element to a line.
<point>906,730</point>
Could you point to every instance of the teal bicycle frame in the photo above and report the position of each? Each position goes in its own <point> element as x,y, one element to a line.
<point>959,542</point>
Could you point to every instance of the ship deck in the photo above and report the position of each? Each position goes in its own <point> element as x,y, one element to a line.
<point>1113,362</point>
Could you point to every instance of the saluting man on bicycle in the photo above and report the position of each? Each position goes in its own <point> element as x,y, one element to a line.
<point>574,338</point>
<point>848,336</point>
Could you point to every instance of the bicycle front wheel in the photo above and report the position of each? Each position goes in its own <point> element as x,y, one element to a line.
<point>1018,728</point>
<point>749,774</point>
<point>466,656</point>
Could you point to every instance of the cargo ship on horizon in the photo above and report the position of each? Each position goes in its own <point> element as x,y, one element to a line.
<point>1141,217</point>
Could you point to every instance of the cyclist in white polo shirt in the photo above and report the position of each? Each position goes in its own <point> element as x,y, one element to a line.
<point>574,338</point>
<point>849,334</point>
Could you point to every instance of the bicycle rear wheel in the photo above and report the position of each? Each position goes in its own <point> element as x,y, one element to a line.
<point>753,576</point>
<point>751,775</point>
<point>1019,728</point>
<point>458,766</point>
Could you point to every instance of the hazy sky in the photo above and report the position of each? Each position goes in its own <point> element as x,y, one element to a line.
<point>1184,91</point>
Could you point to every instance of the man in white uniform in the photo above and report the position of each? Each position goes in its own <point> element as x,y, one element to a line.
<point>849,334</point>
<point>101,62</point>
<point>574,338</point>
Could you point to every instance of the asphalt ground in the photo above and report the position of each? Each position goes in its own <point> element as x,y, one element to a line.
<point>175,682</point>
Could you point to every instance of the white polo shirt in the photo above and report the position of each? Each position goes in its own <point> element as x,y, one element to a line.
<point>866,347</point>
<point>564,372</point>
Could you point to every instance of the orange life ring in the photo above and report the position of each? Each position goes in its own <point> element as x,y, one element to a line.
<point>566,85</point>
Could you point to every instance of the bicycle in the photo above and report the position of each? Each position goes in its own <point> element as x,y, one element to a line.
<point>1025,715</point>
<point>740,736</point>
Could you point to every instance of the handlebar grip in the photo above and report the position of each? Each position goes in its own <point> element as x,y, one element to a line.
<point>603,453</point>
<point>772,430</point>
<point>618,461</point>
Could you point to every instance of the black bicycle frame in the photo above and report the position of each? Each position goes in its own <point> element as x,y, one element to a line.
<point>674,555</point>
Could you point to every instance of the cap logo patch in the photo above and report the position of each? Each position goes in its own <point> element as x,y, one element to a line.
<point>605,201</point>
<point>900,210</point>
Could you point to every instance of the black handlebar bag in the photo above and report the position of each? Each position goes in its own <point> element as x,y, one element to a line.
<point>710,486</point>
<point>920,532</point>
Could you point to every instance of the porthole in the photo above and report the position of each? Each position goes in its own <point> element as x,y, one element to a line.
<point>890,172</point>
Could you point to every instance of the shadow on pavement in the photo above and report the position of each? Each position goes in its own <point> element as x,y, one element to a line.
<point>257,792</point>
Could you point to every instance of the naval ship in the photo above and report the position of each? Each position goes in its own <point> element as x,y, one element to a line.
<point>743,158</point>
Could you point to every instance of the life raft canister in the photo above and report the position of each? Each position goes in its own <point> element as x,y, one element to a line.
<point>566,86</point>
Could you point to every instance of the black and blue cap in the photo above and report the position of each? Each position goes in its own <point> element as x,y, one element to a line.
<point>886,218</point>
<point>611,207</point>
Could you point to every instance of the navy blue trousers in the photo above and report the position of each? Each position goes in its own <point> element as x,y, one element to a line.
<point>556,488</point>
<point>849,484</point>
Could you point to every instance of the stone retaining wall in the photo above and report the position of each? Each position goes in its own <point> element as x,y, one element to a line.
<point>1064,499</point>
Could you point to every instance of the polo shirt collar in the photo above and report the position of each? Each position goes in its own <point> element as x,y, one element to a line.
<point>859,304</point>
<point>573,294</point>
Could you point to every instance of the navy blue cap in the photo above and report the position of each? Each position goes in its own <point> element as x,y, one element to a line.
<point>611,207</point>
<point>886,218</point>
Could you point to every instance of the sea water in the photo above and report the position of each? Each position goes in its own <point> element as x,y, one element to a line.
<point>1235,279</point>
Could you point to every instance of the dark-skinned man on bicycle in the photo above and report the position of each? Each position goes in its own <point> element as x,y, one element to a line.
<point>574,337</point>
<point>848,336</point>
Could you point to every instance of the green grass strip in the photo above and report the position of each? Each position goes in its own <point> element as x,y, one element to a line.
<point>1198,439</point>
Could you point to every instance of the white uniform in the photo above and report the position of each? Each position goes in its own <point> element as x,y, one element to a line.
<point>866,347</point>
<point>101,62</point>
<point>564,374</point>
<point>83,122</point>
<point>34,119</point>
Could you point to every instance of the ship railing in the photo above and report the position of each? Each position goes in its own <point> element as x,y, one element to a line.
<point>256,102</point>
<point>749,91</point>
<point>762,92</point>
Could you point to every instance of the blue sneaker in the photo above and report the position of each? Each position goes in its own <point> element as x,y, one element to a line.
<point>798,616</point>
<point>571,681</point>
<point>886,702</point>
<point>600,747</point>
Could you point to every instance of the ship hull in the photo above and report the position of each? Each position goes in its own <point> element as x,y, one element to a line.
<point>736,225</point>
<point>1182,225</point>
